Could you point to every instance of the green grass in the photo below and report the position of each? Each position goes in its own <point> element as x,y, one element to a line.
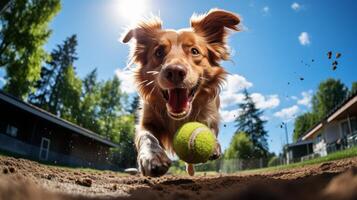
<point>352,152</point>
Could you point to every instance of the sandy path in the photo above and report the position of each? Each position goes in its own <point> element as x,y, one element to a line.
<point>24,179</point>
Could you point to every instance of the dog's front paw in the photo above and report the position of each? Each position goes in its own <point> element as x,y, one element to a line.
<point>216,153</point>
<point>153,161</point>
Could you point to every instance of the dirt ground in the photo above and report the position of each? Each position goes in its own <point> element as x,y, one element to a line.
<point>24,179</point>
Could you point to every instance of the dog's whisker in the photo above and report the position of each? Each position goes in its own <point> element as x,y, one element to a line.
<point>152,72</point>
<point>149,83</point>
<point>142,82</point>
<point>152,90</point>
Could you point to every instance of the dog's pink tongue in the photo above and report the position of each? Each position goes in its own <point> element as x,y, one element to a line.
<point>178,99</point>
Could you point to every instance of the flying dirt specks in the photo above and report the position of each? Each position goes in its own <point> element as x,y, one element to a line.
<point>302,78</point>
<point>334,63</point>
<point>329,54</point>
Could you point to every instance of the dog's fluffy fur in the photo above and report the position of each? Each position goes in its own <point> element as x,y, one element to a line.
<point>199,50</point>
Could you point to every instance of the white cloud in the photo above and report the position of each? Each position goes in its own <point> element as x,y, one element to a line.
<point>127,80</point>
<point>234,84</point>
<point>266,10</point>
<point>294,97</point>
<point>295,6</point>
<point>287,114</point>
<point>265,102</point>
<point>306,98</point>
<point>232,95</point>
<point>265,118</point>
<point>230,99</point>
<point>304,38</point>
<point>229,115</point>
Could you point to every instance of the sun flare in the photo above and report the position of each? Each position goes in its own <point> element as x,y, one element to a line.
<point>132,10</point>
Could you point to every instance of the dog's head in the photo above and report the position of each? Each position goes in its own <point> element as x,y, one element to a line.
<point>178,67</point>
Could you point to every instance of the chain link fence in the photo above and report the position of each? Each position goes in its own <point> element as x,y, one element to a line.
<point>229,165</point>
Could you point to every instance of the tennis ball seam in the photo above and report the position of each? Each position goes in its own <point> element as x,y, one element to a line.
<point>193,136</point>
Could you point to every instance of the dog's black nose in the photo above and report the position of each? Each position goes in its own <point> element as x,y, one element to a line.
<point>175,73</point>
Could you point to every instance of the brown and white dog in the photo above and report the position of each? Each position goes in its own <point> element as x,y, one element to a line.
<point>178,78</point>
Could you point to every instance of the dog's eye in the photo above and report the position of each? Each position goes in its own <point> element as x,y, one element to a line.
<point>195,51</point>
<point>159,53</point>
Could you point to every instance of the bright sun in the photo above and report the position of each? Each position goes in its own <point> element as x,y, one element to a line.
<point>132,10</point>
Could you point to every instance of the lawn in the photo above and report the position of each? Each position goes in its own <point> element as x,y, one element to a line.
<point>347,153</point>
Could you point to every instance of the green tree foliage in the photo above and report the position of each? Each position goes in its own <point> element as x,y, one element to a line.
<point>134,106</point>
<point>125,154</point>
<point>24,31</point>
<point>89,105</point>
<point>110,107</point>
<point>250,122</point>
<point>59,89</point>
<point>329,94</point>
<point>354,87</point>
<point>303,123</point>
<point>241,147</point>
<point>69,94</point>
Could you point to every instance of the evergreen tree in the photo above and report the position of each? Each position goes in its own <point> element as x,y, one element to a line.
<point>110,108</point>
<point>354,87</point>
<point>90,103</point>
<point>249,121</point>
<point>134,106</point>
<point>23,32</point>
<point>59,89</point>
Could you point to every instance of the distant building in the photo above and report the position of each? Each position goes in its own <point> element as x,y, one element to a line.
<point>28,131</point>
<point>338,130</point>
<point>294,151</point>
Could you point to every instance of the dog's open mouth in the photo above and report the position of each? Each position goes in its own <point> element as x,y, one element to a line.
<point>178,101</point>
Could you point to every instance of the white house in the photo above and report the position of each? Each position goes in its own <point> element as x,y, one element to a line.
<point>338,130</point>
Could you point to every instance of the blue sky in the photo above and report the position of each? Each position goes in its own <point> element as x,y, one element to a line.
<point>277,45</point>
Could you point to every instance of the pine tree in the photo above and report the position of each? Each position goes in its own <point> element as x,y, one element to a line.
<point>249,121</point>
<point>59,89</point>
<point>90,103</point>
<point>110,107</point>
<point>134,106</point>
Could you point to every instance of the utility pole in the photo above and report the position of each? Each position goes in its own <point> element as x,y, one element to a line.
<point>285,126</point>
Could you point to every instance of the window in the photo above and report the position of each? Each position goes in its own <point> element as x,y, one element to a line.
<point>354,125</point>
<point>11,130</point>
<point>345,128</point>
<point>318,138</point>
<point>44,148</point>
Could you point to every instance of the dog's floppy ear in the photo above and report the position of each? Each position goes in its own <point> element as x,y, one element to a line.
<point>144,30</point>
<point>214,27</point>
<point>145,34</point>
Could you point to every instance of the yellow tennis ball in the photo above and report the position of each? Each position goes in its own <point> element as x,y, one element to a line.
<point>194,142</point>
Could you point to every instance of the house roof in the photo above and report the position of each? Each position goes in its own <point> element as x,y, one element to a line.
<point>305,142</point>
<point>333,114</point>
<point>53,118</point>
